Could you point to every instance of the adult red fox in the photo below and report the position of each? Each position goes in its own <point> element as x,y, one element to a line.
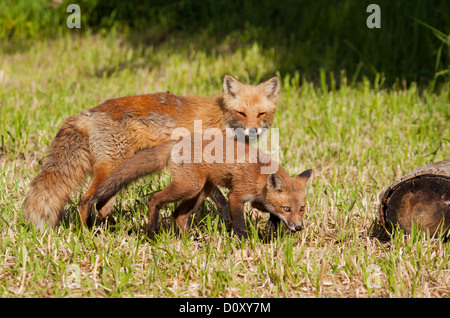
<point>193,180</point>
<point>96,141</point>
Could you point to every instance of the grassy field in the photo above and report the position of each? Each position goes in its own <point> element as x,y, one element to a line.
<point>358,138</point>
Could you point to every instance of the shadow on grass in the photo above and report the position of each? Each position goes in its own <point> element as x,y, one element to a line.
<point>304,36</point>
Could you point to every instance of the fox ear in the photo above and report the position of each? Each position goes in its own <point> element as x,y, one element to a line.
<point>274,181</point>
<point>271,88</point>
<point>304,176</point>
<point>231,86</point>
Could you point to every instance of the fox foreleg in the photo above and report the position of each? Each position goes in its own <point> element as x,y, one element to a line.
<point>237,216</point>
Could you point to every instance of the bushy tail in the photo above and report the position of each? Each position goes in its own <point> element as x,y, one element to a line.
<point>65,167</point>
<point>141,164</point>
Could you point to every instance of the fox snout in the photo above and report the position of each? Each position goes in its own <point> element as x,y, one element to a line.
<point>253,132</point>
<point>292,226</point>
<point>243,124</point>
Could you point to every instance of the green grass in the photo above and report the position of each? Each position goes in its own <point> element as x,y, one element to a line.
<point>412,44</point>
<point>357,138</point>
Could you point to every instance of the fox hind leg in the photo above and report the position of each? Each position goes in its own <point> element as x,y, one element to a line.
<point>174,192</point>
<point>85,207</point>
<point>105,210</point>
<point>221,204</point>
<point>184,210</point>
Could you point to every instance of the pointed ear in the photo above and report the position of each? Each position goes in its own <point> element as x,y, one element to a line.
<point>231,86</point>
<point>304,176</point>
<point>274,181</point>
<point>271,88</point>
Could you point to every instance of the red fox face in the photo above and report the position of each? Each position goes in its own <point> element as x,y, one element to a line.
<point>286,198</point>
<point>250,108</point>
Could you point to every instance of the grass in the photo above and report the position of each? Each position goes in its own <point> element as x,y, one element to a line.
<point>358,138</point>
<point>412,43</point>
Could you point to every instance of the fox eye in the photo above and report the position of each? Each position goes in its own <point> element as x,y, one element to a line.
<point>302,209</point>
<point>261,114</point>
<point>242,114</point>
<point>286,209</point>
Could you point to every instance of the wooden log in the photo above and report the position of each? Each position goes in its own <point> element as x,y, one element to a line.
<point>421,197</point>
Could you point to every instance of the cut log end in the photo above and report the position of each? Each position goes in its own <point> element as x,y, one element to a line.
<point>424,201</point>
<point>420,198</point>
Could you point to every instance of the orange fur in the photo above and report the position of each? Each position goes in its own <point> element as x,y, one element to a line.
<point>99,139</point>
<point>277,193</point>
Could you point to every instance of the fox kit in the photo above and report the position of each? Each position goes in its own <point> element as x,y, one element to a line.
<point>99,139</point>
<point>277,193</point>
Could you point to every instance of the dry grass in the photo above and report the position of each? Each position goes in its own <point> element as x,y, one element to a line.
<point>358,139</point>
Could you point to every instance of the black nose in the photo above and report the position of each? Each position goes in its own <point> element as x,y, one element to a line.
<point>252,131</point>
<point>298,228</point>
